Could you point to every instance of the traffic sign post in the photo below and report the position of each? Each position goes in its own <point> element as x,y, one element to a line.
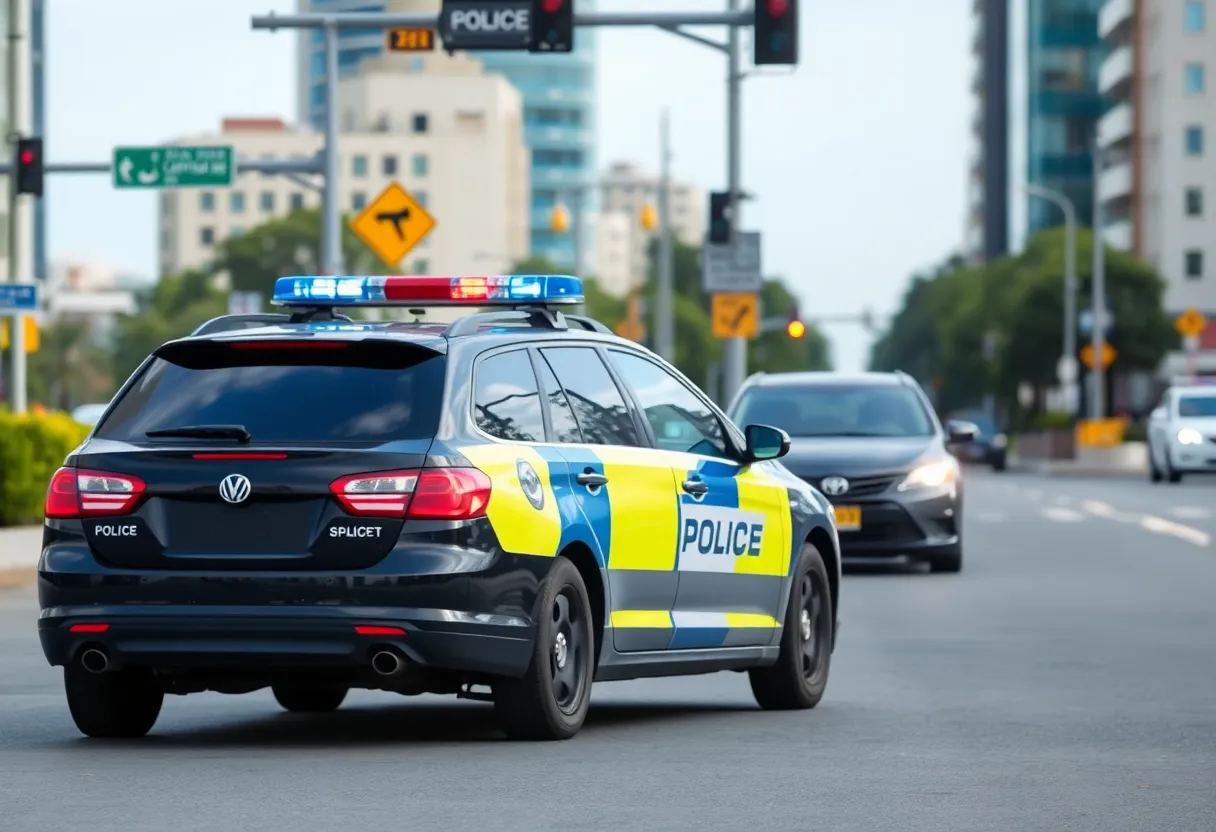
<point>1191,323</point>
<point>392,224</point>
<point>18,297</point>
<point>173,167</point>
<point>486,25</point>
<point>735,315</point>
<point>734,266</point>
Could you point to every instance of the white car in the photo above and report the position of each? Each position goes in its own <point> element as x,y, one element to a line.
<point>88,414</point>
<point>1182,433</point>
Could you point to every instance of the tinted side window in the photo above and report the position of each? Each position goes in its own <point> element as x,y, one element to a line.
<point>597,403</point>
<point>506,401</point>
<point>565,426</point>
<point>679,419</point>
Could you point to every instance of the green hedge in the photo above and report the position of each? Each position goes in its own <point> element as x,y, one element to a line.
<point>32,447</point>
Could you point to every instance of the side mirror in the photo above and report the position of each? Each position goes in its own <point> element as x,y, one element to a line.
<point>1157,415</point>
<point>961,432</point>
<point>764,442</point>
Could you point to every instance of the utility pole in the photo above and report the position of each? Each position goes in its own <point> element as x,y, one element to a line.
<point>1067,369</point>
<point>1097,405</point>
<point>735,352</point>
<point>17,75</point>
<point>331,228</point>
<point>664,334</point>
<point>576,229</point>
<point>37,20</point>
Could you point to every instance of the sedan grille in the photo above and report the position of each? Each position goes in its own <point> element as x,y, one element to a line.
<point>860,486</point>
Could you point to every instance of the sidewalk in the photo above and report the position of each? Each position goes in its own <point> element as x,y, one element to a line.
<point>1129,460</point>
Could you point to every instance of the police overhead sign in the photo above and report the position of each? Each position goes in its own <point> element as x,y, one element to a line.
<point>485,24</point>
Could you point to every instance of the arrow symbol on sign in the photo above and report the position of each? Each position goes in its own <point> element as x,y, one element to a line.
<point>147,177</point>
<point>124,169</point>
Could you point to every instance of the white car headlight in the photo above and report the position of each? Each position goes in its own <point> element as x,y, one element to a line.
<point>1190,436</point>
<point>931,475</point>
<point>999,441</point>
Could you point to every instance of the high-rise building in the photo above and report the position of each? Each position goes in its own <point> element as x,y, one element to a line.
<point>559,109</point>
<point>1064,53</point>
<point>1158,143</point>
<point>987,232</point>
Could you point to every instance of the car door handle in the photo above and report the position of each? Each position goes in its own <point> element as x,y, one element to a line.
<point>696,487</point>
<point>591,479</point>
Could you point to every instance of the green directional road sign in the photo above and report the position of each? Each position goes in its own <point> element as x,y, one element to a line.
<point>173,167</point>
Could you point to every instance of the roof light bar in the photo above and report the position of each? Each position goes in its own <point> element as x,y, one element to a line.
<point>369,290</point>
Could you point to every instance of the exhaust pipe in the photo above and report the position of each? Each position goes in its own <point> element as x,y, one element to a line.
<point>387,663</point>
<point>95,661</point>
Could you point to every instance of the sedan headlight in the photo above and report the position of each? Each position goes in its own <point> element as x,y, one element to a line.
<point>931,475</point>
<point>1190,436</point>
<point>999,441</point>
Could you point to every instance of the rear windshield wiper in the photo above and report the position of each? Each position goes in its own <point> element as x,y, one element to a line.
<point>236,432</point>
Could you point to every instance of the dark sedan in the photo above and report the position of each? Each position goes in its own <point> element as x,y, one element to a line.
<point>873,446</point>
<point>990,444</point>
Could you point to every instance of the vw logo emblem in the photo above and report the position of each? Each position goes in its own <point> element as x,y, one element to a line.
<point>834,486</point>
<point>529,481</point>
<point>235,488</point>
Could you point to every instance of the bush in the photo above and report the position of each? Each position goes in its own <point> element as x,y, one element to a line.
<point>32,447</point>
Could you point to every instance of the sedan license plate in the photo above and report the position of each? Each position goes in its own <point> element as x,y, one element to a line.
<point>848,518</point>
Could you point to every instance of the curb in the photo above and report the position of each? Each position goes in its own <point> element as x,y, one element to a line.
<point>1074,471</point>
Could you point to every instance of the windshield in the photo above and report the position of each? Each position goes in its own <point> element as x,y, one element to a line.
<point>1198,406</point>
<point>351,394</point>
<point>836,410</point>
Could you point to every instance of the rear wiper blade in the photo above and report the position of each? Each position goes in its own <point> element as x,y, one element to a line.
<point>236,432</point>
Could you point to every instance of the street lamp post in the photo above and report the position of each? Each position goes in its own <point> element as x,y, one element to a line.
<point>1068,360</point>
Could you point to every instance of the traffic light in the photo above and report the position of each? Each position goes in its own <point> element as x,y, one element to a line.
<point>559,222</point>
<point>552,26</point>
<point>28,165</point>
<point>650,217</point>
<point>775,33</point>
<point>795,328</point>
<point>719,217</point>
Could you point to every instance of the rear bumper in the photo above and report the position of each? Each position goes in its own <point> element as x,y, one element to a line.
<point>176,639</point>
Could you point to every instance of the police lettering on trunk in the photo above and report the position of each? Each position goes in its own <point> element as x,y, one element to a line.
<point>711,538</point>
<point>115,530</point>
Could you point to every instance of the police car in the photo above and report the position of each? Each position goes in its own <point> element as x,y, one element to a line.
<point>505,508</point>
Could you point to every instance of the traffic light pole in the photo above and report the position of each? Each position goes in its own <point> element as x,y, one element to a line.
<point>16,251</point>
<point>734,357</point>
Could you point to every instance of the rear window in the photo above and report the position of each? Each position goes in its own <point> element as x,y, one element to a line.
<point>321,392</point>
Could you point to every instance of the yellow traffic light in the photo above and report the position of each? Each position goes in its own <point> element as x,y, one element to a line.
<point>650,217</point>
<point>32,339</point>
<point>560,222</point>
<point>795,329</point>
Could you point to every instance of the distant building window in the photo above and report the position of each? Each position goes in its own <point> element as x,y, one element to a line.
<point>1194,140</point>
<point>420,197</point>
<point>206,202</point>
<point>297,201</point>
<point>421,123</point>
<point>357,200</point>
<point>1193,78</point>
<point>420,164</point>
<point>358,166</point>
<point>206,236</point>
<point>388,166</point>
<point>1193,17</point>
<point>267,201</point>
<point>236,202</point>
<point>1194,264</point>
<point>1194,202</point>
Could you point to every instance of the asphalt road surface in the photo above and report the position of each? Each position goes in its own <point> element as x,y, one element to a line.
<point>1063,681</point>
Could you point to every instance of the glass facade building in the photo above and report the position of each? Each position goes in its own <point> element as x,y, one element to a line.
<point>1064,105</point>
<point>559,93</point>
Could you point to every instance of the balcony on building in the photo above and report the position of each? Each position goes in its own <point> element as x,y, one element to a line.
<point>1068,30</point>
<point>1115,181</point>
<point>1115,127</point>
<point>1118,235</point>
<point>1116,69</point>
<point>1113,15</point>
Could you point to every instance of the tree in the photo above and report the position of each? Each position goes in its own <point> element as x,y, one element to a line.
<point>69,368</point>
<point>285,246</point>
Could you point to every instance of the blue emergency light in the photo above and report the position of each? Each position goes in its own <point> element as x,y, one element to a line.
<point>400,290</point>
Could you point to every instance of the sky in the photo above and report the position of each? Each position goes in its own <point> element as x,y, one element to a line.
<point>857,157</point>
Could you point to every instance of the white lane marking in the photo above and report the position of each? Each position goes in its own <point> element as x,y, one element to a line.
<point>1099,509</point>
<point>989,517</point>
<point>1162,526</point>
<point>1190,513</point>
<point>1062,515</point>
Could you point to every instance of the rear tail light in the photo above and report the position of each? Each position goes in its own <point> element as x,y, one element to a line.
<point>79,492</point>
<point>429,493</point>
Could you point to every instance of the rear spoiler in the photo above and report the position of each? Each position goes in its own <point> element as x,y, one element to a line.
<point>231,323</point>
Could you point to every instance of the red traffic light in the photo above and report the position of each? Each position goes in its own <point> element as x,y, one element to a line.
<point>27,157</point>
<point>777,8</point>
<point>551,6</point>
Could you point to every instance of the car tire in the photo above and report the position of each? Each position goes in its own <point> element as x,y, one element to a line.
<point>309,699</point>
<point>551,700</point>
<point>1171,475</point>
<point>800,676</point>
<point>1154,473</point>
<point>949,561</point>
<point>116,704</point>
<point>1000,463</point>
